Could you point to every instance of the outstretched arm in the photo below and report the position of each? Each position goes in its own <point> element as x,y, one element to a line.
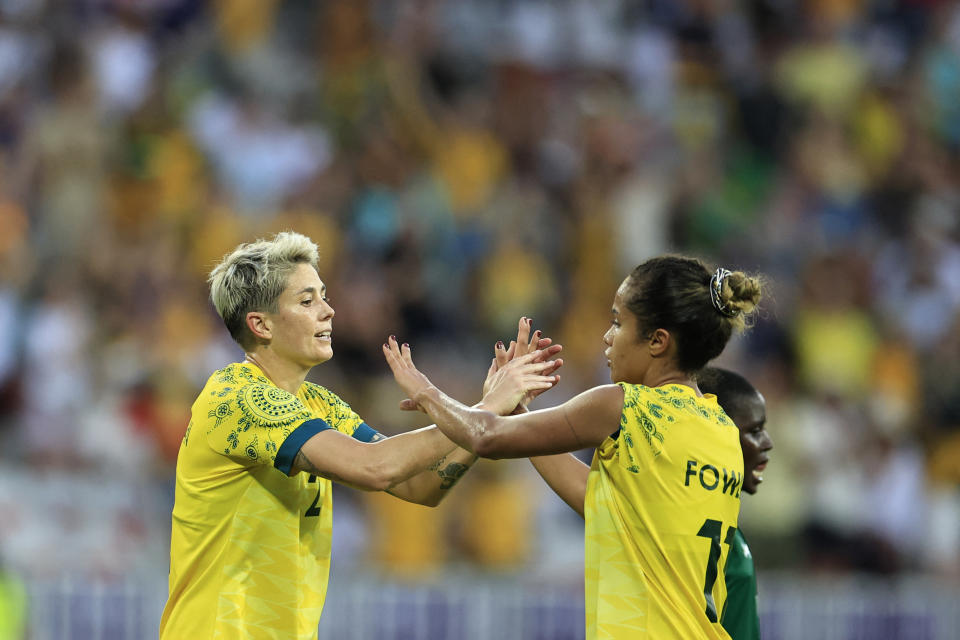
<point>572,426</point>
<point>583,421</point>
<point>419,466</point>
<point>373,466</point>
<point>430,487</point>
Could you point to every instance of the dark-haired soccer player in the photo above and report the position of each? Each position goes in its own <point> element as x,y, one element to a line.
<point>746,407</point>
<point>661,498</point>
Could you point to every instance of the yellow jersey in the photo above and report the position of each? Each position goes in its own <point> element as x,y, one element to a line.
<point>661,509</point>
<point>250,545</point>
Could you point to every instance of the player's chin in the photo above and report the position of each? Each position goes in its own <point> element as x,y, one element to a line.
<point>323,354</point>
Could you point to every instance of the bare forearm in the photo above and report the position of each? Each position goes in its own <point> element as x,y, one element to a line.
<point>567,476</point>
<point>383,464</point>
<point>430,487</point>
<point>539,433</point>
<point>467,427</point>
<point>414,452</point>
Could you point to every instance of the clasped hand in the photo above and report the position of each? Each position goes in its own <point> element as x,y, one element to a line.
<point>503,366</point>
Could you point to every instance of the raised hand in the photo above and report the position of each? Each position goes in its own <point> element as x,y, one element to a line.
<point>410,379</point>
<point>516,380</point>
<point>521,378</point>
<point>524,344</point>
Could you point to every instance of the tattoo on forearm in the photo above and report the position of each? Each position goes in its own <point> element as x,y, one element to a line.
<point>451,473</point>
<point>436,465</point>
<point>303,462</point>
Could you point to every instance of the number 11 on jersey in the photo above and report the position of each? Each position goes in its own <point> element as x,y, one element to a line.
<point>712,529</point>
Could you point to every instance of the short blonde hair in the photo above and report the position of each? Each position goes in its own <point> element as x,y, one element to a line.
<point>252,277</point>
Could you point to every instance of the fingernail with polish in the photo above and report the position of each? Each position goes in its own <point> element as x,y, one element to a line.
<point>499,344</point>
<point>406,345</point>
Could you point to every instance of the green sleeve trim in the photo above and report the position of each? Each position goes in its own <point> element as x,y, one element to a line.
<point>292,445</point>
<point>365,433</point>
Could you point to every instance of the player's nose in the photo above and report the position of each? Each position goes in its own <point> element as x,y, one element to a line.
<point>326,311</point>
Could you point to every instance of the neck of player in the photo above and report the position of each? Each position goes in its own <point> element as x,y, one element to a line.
<point>287,375</point>
<point>663,373</point>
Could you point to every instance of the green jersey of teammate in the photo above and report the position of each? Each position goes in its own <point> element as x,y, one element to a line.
<point>740,618</point>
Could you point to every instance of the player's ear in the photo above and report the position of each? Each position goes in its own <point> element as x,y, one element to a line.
<point>259,325</point>
<point>659,342</point>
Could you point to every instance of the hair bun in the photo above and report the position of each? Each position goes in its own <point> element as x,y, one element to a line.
<point>735,294</point>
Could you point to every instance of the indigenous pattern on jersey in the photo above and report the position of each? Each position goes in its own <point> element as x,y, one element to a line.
<point>740,617</point>
<point>661,508</point>
<point>250,545</point>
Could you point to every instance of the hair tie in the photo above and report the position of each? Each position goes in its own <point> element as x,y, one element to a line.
<point>716,285</point>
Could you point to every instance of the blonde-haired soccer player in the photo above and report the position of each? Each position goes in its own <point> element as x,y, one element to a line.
<point>250,543</point>
<point>662,495</point>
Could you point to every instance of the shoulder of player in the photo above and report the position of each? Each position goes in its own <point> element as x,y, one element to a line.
<point>240,395</point>
<point>607,397</point>
<point>227,382</point>
<point>314,391</point>
<point>639,392</point>
<point>327,404</point>
<point>671,401</point>
<point>648,401</point>
<point>235,375</point>
<point>594,413</point>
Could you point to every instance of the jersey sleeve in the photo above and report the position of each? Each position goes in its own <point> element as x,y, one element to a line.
<point>259,424</point>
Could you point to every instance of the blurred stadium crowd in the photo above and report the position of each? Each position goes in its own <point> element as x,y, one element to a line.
<point>463,163</point>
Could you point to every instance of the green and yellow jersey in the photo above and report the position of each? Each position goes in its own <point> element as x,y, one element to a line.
<point>661,509</point>
<point>250,545</point>
<point>740,617</point>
